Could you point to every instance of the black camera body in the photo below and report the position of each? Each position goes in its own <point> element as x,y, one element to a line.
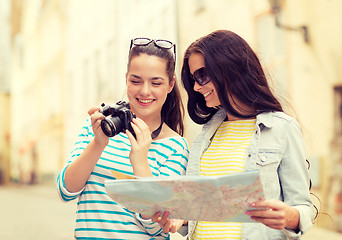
<point>118,118</point>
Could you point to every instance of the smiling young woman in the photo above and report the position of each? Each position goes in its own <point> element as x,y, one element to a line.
<point>158,149</point>
<point>245,128</point>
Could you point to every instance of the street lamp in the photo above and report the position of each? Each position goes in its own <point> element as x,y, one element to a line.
<point>276,6</point>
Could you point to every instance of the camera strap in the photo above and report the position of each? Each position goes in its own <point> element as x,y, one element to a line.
<point>156,132</point>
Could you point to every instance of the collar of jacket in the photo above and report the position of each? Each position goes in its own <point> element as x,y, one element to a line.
<point>264,118</point>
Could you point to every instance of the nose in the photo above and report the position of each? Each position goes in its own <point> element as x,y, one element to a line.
<point>197,87</point>
<point>145,89</point>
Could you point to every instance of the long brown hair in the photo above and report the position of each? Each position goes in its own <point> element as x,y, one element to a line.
<point>172,112</point>
<point>235,70</point>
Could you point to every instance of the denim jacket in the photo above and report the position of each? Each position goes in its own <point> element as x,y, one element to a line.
<point>277,150</point>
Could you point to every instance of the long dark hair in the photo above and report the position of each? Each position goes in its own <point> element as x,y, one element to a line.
<point>172,112</point>
<point>235,70</point>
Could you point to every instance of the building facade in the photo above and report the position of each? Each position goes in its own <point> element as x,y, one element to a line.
<point>305,70</point>
<point>62,57</point>
<point>5,122</point>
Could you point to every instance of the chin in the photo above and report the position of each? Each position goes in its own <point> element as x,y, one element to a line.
<point>212,105</point>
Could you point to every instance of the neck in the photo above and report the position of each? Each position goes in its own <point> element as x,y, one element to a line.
<point>233,118</point>
<point>152,122</point>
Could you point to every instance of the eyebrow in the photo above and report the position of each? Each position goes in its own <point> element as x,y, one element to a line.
<point>153,78</point>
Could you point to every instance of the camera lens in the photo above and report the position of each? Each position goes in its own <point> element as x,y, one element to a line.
<point>107,128</point>
<point>111,126</point>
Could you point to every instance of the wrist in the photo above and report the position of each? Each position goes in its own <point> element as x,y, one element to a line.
<point>293,219</point>
<point>142,170</point>
<point>99,145</point>
<point>145,217</point>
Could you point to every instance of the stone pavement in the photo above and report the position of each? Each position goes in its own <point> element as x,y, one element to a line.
<point>36,213</point>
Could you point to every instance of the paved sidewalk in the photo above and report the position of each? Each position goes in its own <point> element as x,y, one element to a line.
<point>36,213</point>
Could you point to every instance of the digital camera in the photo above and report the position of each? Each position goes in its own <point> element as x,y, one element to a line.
<point>117,119</point>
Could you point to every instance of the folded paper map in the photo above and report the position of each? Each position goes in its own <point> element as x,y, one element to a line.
<point>200,198</point>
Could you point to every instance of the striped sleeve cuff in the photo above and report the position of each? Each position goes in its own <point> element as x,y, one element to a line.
<point>63,193</point>
<point>151,227</point>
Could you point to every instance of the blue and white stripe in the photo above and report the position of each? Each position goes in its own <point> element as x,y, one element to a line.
<point>98,216</point>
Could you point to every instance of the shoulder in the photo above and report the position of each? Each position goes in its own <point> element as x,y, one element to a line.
<point>170,138</point>
<point>279,124</point>
<point>283,116</point>
<point>270,119</point>
<point>168,132</point>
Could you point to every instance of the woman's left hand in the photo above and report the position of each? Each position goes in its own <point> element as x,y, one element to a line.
<point>275,214</point>
<point>139,147</point>
<point>168,225</point>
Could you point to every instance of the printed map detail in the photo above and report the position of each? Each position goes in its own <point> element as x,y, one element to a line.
<point>200,198</point>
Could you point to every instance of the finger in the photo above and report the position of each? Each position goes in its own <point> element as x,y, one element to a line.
<point>140,122</point>
<point>142,126</point>
<point>164,219</point>
<point>174,227</point>
<point>277,226</point>
<point>267,213</point>
<point>92,110</point>
<point>272,223</point>
<point>130,136</point>
<point>96,118</point>
<point>156,217</point>
<point>167,226</point>
<point>137,131</point>
<point>268,204</point>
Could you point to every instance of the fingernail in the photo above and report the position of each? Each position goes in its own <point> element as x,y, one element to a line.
<point>247,212</point>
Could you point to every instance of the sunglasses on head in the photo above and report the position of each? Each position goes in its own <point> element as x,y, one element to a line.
<point>164,44</point>
<point>201,76</point>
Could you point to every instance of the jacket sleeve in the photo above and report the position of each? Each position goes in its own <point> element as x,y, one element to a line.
<point>294,179</point>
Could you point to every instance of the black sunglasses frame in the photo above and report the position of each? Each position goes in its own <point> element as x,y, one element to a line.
<point>157,42</point>
<point>201,76</point>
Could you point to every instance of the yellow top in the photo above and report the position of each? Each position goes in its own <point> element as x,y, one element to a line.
<point>225,155</point>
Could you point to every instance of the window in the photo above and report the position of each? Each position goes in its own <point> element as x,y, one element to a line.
<point>338,110</point>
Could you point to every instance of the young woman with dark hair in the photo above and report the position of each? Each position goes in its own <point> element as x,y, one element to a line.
<point>245,128</point>
<point>157,149</point>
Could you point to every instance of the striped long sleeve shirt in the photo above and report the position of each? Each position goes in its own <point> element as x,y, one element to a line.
<point>98,216</point>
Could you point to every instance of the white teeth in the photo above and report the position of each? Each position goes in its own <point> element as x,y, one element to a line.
<point>207,93</point>
<point>145,101</point>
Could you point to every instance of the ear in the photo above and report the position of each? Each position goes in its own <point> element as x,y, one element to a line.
<point>172,84</point>
<point>126,78</point>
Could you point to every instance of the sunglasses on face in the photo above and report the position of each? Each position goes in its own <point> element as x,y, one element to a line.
<point>201,76</point>
<point>164,44</point>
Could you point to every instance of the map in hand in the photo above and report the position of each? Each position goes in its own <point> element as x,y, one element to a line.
<point>199,198</point>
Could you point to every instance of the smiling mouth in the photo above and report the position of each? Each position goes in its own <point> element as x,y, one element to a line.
<point>207,93</point>
<point>145,100</point>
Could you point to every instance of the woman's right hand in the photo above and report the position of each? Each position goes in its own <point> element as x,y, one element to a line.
<point>96,116</point>
<point>79,170</point>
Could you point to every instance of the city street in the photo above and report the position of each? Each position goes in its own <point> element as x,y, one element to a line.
<point>36,213</point>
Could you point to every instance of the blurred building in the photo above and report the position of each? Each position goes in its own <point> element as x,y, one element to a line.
<point>5,56</point>
<point>68,56</point>
<point>302,51</point>
<point>63,56</point>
